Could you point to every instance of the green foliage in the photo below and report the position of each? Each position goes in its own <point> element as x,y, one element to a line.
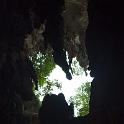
<point>49,86</point>
<point>76,68</point>
<point>43,64</point>
<point>81,99</point>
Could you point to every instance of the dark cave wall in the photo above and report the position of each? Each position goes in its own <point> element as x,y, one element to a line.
<point>104,43</point>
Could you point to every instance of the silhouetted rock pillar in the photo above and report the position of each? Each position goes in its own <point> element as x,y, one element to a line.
<point>54,110</point>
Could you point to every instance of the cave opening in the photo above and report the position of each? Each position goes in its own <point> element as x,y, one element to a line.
<point>56,26</point>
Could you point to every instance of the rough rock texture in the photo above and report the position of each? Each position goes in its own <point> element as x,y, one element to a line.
<point>27,26</point>
<point>75,23</point>
<point>20,19</point>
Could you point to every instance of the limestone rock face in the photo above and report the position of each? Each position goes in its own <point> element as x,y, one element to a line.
<point>75,23</point>
<point>36,25</point>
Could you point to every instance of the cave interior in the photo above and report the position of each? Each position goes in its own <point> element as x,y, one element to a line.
<point>101,32</point>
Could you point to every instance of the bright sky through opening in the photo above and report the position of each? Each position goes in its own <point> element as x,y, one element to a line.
<point>68,86</point>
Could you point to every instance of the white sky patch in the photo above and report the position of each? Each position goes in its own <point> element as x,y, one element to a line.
<point>68,86</point>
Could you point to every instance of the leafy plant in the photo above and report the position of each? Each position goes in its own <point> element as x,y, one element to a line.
<point>43,64</point>
<point>76,68</point>
<point>81,99</point>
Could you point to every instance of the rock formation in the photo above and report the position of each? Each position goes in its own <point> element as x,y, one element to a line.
<point>36,25</point>
<point>104,43</point>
